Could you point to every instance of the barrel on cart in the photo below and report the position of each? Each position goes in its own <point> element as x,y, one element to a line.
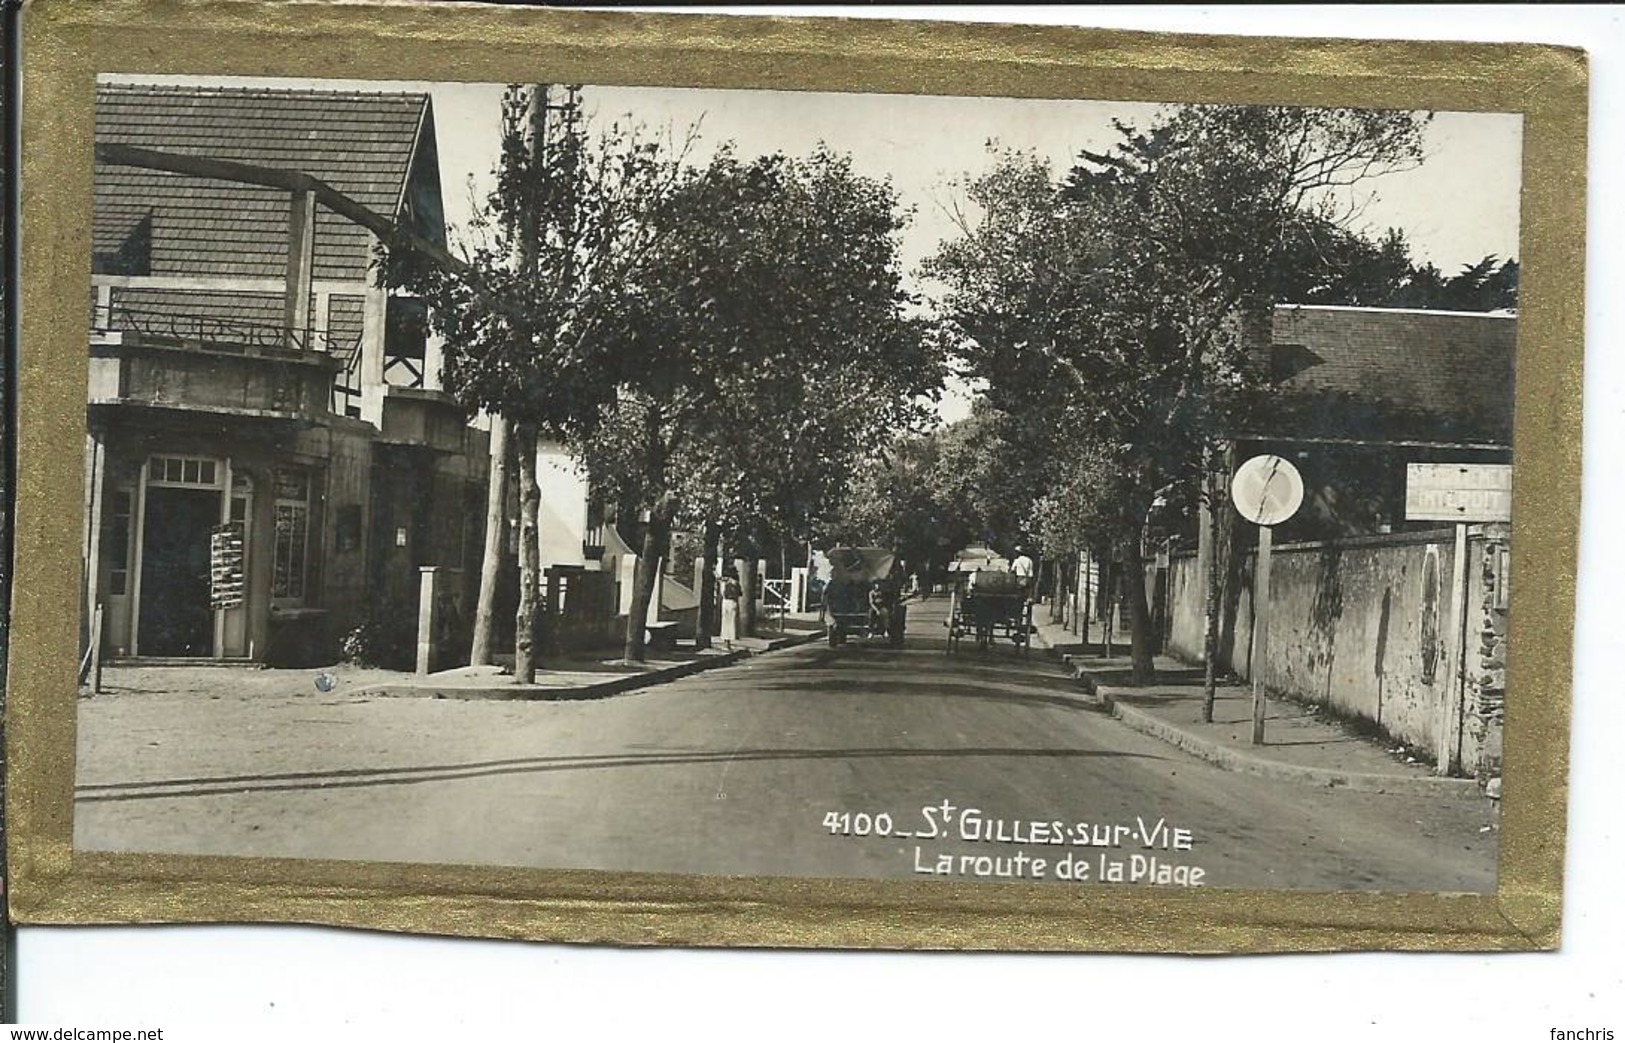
<point>863,598</point>
<point>988,605</point>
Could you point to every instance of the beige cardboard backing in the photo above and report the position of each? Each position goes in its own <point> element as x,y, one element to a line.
<point>67,42</point>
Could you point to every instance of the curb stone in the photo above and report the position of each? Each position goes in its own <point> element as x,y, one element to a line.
<point>1246,764</point>
<point>598,690</point>
<point>537,693</point>
<point>775,644</point>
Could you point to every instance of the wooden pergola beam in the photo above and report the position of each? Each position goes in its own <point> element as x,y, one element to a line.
<point>291,181</point>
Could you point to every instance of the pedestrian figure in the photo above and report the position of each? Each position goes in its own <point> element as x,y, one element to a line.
<point>731,593</point>
<point>877,609</point>
<point>1022,566</point>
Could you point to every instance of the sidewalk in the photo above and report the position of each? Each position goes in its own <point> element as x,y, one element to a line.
<point>570,676</point>
<point>582,676</point>
<point>1301,745</point>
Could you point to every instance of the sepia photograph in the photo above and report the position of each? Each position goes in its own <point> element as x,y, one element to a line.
<point>753,483</point>
<point>891,517</point>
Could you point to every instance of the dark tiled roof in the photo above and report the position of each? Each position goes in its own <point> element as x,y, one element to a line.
<point>1376,373</point>
<point>361,144</point>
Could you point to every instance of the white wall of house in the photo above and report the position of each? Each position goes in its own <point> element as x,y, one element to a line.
<point>562,518</point>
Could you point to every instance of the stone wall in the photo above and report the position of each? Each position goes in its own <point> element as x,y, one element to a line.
<point>1361,626</point>
<point>1187,606</point>
<point>1489,561</point>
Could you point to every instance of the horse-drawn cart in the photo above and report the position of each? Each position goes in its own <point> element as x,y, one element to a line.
<point>863,597</point>
<point>989,604</point>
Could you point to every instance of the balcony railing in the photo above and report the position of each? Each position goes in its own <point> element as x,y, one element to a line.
<point>237,336</point>
<point>214,333</point>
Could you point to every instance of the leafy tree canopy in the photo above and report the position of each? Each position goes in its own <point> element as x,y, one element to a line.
<point>767,351</point>
<point>1109,311</point>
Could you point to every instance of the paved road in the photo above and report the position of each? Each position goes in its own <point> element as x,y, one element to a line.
<point>749,770</point>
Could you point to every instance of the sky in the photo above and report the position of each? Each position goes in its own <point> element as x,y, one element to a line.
<point>1459,205</point>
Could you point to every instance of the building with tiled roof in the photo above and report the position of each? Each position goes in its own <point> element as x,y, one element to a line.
<point>272,460</point>
<point>1377,612</point>
<point>1389,374</point>
<point>160,227</point>
<point>1362,392</point>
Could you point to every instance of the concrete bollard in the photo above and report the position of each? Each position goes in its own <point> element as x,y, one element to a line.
<point>428,617</point>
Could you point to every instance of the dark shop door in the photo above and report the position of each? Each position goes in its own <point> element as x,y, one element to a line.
<point>176,619</point>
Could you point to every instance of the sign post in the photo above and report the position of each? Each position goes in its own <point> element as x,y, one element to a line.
<point>1267,490</point>
<point>1460,493</point>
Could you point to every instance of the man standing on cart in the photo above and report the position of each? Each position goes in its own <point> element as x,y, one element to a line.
<point>1021,565</point>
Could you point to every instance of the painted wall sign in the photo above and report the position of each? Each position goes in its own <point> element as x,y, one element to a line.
<point>1458,492</point>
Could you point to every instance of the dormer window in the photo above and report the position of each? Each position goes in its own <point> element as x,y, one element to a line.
<point>131,256</point>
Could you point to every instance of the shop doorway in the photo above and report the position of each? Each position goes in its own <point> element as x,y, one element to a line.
<point>176,619</point>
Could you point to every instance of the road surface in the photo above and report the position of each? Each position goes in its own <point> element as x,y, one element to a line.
<point>973,766</point>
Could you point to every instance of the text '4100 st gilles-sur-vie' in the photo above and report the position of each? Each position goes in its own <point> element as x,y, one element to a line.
<point>1142,850</point>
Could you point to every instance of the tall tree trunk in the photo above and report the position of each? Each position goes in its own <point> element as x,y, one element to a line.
<point>1086,595</point>
<point>1211,575</point>
<point>656,538</point>
<point>1108,600</point>
<point>524,435</point>
<point>746,567</point>
<point>1139,614</point>
<point>708,586</point>
<point>530,499</point>
<point>1231,549</point>
<point>496,500</point>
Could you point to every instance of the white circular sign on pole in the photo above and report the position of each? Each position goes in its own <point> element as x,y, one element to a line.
<point>1267,490</point>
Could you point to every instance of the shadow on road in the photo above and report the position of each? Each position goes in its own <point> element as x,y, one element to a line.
<point>931,688</point>
<point>353,777</point>
<point>1125,678</point>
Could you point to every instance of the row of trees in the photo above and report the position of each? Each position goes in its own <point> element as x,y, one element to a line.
<point>719,342</point>
<point>929,494</point>
<point>993,477</point>
<point>728,347</point>
<point>1106,311</point>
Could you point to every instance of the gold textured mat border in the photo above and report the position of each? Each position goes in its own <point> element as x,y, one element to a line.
<point>67,42</point>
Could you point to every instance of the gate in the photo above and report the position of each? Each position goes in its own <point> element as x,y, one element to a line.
<point>776,600</point>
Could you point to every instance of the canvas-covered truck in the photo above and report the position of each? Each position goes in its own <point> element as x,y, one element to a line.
<point>987,604</point>
<point>864,596</point>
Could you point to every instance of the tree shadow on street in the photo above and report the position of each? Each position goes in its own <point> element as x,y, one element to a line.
<point>220,785</point>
